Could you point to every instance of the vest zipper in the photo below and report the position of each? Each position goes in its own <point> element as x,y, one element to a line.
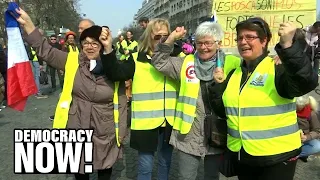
<point>241,87</point>
<point>248,77</point>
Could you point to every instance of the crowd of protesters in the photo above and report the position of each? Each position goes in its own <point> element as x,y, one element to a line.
<point>248,115</point>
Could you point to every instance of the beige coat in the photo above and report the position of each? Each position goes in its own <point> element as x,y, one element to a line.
<point>92,105</point>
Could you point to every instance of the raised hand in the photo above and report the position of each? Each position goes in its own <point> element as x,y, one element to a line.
<point>277,60</point>
<point>25,21</point>
<point>286,32</point>
<point>218,75</point>
<point>106,39</point>
<point>178,33</point>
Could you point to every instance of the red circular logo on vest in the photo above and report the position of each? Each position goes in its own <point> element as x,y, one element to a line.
<point>190,72</point>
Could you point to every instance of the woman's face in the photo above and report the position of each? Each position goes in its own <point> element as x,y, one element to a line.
<point>206,47</point>
<point>250,47</point>
<point>158,33</point>
<point>70,39</point>
<point>91,48</point>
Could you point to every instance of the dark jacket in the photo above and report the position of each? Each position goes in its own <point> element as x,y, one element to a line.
<point>3,61</point>
<point>293,78</point>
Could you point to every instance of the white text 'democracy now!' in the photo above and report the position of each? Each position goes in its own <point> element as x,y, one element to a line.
<point>52,151</point>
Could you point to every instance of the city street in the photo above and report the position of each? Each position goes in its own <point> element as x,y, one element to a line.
<point>36,116</point>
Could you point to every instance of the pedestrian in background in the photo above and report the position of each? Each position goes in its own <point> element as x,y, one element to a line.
<point>54,43</point>
<point>308,121</point>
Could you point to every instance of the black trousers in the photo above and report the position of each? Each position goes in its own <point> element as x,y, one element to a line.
<point>104,174</point>
<point>4,75</point>
<point>53,71</point>
<point>280,171</point>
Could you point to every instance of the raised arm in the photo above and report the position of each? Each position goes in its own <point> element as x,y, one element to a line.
<point>163,62</point>
<point>117,70</point>
<point>295,77</point>
<point>52,56</point>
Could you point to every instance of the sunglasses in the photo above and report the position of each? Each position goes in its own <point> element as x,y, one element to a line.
<point>53,39</point>
<point>158,37</point>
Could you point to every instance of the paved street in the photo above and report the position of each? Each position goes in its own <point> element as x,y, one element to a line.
<point>36,116</point>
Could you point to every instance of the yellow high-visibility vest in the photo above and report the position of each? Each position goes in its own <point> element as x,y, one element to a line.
<point>72,51</point>
<point>130,47</point>
<point>124,46</point>
<point>258,118</point>
<point>62,109</point>
<point>35,57</point>
<point>189,91</point>
<point>182,54</point>
<point>153,97</point>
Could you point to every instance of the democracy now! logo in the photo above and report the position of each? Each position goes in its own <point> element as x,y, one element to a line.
<point>52,151</point>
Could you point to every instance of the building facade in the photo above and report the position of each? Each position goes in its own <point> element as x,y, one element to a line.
<point>188,13</point>
<point>146,10</point>
<point>162,9</point>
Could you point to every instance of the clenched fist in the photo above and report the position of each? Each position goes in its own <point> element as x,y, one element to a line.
<point>286,32</point>
<point>218,75</point>
<point>106,39</point>
<point>178,33</point>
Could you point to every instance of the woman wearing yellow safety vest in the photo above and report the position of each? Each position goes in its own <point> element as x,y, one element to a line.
<point>258,100</point>
<point>89,100</point>
<point>153,103</point>
<point>193,123</point>
<point>70,42</point>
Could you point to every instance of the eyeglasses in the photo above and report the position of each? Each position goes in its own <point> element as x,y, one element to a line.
<point>93,44</point>
<point>158,37</point>
<point>53,39</point>
<point>248,38</point>
<point>207,43</point>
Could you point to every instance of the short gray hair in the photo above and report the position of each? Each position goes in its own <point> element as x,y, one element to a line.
<point>88,20</point>
<point>209,29</point>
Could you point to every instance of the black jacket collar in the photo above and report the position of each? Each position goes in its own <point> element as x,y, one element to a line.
<point>143,57</point>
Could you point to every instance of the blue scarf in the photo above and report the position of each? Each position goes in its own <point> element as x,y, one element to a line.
<point>204,69</point>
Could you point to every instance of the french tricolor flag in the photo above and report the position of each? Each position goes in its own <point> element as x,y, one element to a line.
<point>20,80</point>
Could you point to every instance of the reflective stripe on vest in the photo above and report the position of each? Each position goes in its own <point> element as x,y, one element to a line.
<point>189,92</point>
<point>35,57</point>
<point>264,134</point>
<point>63,107</point>
<point>154,97</point>
<point>259,119</point>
